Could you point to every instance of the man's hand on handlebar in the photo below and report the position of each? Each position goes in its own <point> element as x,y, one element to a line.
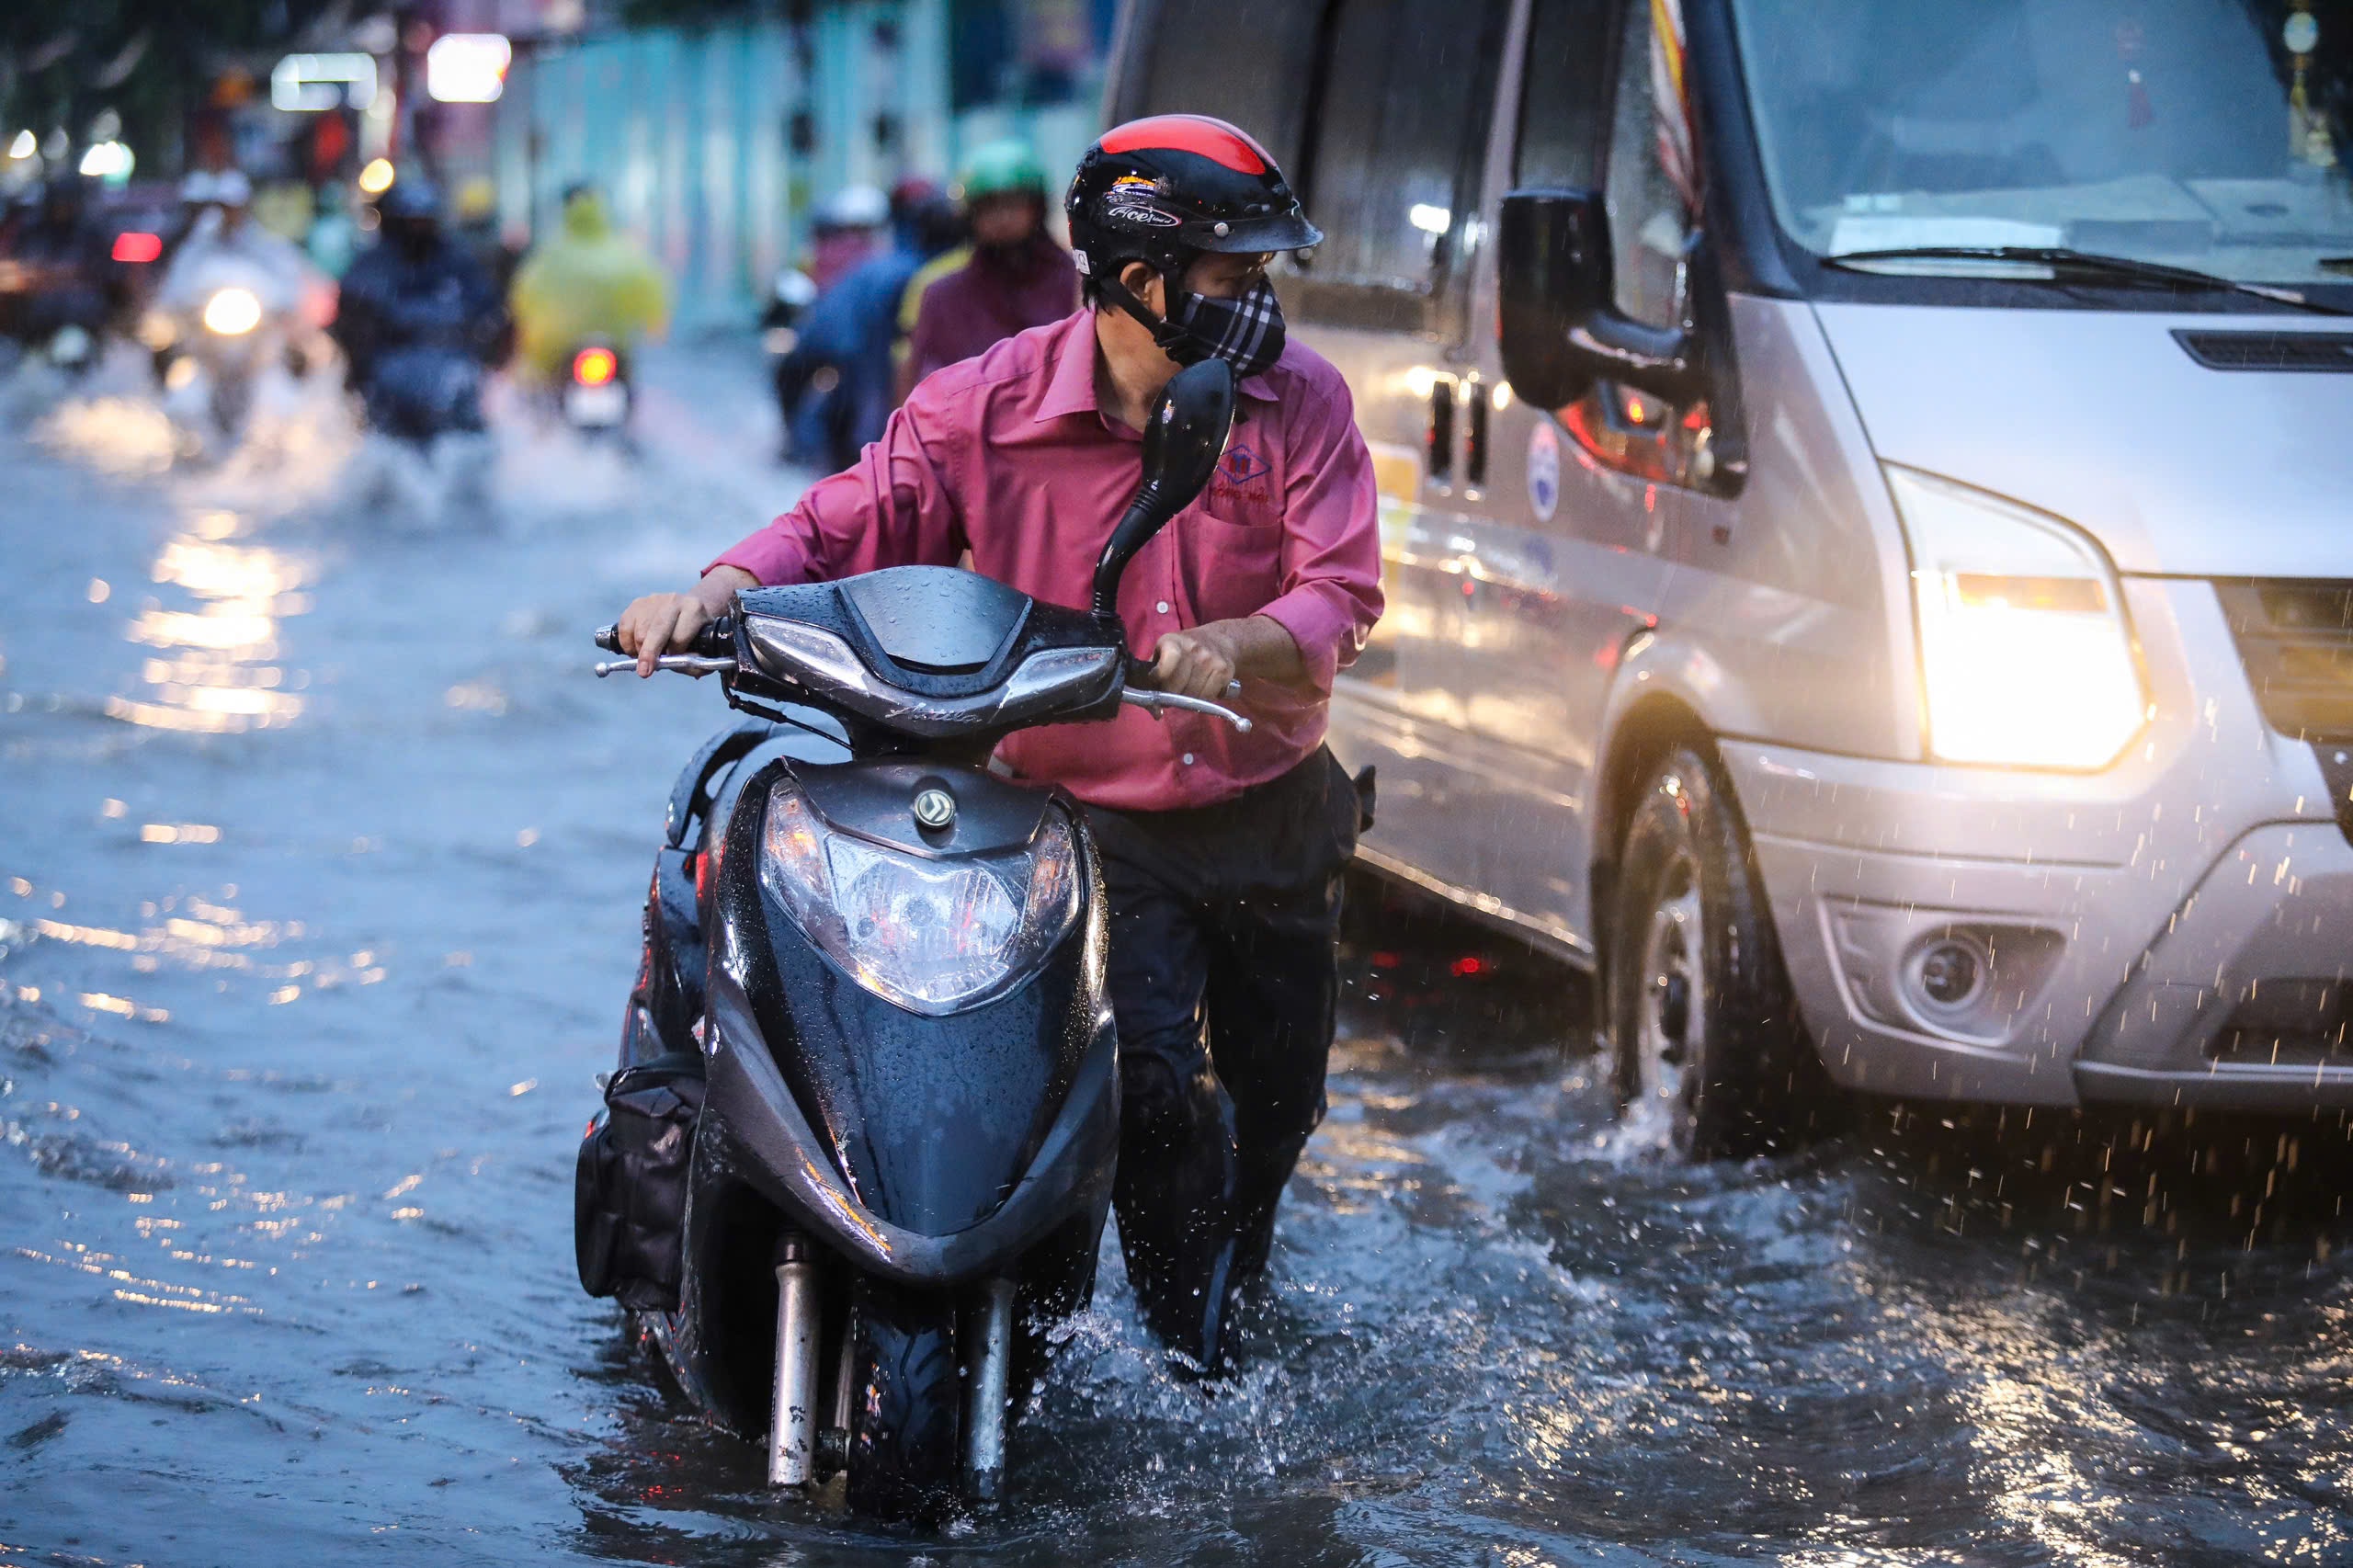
<point>663,623</point>
<point>1201,661</point>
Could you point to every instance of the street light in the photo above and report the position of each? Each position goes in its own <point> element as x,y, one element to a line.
<point>467,68</point>
<point>310,84</point>
<point>107,161</point>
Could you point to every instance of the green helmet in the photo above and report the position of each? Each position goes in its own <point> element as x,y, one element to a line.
<point>1002,167</point>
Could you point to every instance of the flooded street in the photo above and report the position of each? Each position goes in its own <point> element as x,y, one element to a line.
<point>320,869</point>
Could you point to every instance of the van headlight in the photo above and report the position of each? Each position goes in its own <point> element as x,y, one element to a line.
<point>2025,652</point>
<point>932,936</point>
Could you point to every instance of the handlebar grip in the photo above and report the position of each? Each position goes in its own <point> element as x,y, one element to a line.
<point>717,639</point>
<point>1140,672</point>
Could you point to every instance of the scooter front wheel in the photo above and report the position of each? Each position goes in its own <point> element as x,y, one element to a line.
<point>905,1397</point>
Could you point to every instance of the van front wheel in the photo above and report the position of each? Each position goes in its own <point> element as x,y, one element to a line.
<point>1704,1030</point>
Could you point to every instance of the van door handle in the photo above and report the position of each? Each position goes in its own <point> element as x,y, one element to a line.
<point>1441,451</point>
<point>1474,438</point>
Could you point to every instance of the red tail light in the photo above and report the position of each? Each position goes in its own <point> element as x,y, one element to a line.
<point>134,246</point>
<point>594,367</point>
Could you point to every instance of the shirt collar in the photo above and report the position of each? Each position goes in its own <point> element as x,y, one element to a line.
<point>1071,387</point>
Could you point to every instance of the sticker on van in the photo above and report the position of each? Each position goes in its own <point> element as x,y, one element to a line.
<point>1544,470</point>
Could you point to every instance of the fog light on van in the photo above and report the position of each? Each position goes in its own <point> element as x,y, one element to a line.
<point>2024,655</point>
<point>1949,973</point>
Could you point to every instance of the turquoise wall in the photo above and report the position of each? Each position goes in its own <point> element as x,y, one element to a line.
<point>690,135</point>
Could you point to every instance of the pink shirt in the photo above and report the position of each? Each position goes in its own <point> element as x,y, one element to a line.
<point>1009,456</point>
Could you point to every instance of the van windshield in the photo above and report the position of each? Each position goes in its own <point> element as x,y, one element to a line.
<point>2204,133</point>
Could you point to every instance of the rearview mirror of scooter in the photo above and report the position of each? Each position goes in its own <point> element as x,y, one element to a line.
<point>1182,441</point>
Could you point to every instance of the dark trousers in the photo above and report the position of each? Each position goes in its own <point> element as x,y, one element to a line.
<point>1223,980</point>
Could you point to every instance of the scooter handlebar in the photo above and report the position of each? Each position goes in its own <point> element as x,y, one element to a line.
<point>1153,702</point>
<point>1139,692</point>
<point>713,652</point>
<point>1141,676</point>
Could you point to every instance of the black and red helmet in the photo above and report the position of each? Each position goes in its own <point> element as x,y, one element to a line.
<point>1164,190</point>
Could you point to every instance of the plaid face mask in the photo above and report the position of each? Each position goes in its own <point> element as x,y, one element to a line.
<point>1247,333</point>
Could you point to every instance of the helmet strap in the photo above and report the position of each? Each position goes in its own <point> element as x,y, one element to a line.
<point>1180,343</point>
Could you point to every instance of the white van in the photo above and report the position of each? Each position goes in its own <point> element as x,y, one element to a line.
<point>1868,517</point>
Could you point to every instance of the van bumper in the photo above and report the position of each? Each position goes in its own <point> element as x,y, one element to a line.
<point>2164,946</point>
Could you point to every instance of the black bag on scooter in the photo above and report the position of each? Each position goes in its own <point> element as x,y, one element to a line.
<point>630,1192</point>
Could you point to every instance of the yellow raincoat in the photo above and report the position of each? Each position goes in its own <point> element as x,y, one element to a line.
<point>585,282</point>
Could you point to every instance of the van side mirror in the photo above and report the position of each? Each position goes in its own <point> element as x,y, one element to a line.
<point>1558,327</point>
<point>1182,441</point>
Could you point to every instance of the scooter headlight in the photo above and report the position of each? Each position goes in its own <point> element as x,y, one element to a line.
<point>932,936</point>
<point>231,312</point>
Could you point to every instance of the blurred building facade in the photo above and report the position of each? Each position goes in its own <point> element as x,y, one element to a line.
<point>715,144</point>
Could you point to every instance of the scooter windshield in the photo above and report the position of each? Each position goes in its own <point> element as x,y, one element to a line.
<point>930,651</point>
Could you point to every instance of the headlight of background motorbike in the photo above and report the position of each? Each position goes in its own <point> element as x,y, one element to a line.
<point>2024,649</point>
<point>932,936</point>
<point>231,312</point>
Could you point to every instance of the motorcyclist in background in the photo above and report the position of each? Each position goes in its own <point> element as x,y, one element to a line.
<point>61,269</point>
<point>852,331</point>
<point>196,194</point>
<point>225,244</point>
<point>585,283</point>
<point>332,242</point>
<point>418,319</point>
<point>845,230</point>
<point>478,230</point>
<point>1016,277</point>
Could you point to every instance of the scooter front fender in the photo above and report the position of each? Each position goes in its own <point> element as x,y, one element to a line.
<point>748,1106</point>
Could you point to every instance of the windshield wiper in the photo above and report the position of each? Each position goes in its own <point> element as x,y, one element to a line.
<point>2064,261</point>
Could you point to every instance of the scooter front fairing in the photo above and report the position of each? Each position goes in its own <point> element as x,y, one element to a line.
<point>929,1147</point>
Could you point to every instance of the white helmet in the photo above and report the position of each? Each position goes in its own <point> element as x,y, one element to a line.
<point>855,207</point>
<point>229,188</point>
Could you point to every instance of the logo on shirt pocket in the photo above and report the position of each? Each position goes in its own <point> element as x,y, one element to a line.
<point>1238,487</point>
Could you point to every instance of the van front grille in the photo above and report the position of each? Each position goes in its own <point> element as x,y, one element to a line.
<point>2296,639</point>
<point>2321,351</point>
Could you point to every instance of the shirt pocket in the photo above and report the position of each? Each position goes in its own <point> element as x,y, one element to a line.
<point>1230,569</point>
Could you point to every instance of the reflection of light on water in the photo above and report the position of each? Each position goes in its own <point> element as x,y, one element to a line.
<point>148,1292</point>
<point>216,677</point>
<point>202,936</point>
<point>179,833</point>
<point>123,1006</point>
<point>222,570</point>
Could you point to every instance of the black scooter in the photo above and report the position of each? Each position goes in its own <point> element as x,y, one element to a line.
<point>859,1154</point>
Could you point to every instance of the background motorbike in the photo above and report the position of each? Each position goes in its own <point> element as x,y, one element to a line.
<point>859,1152</point>
<point>208,359</point>
<point>55,315</point>
<point>596,394</point>
<point>792,370</point>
